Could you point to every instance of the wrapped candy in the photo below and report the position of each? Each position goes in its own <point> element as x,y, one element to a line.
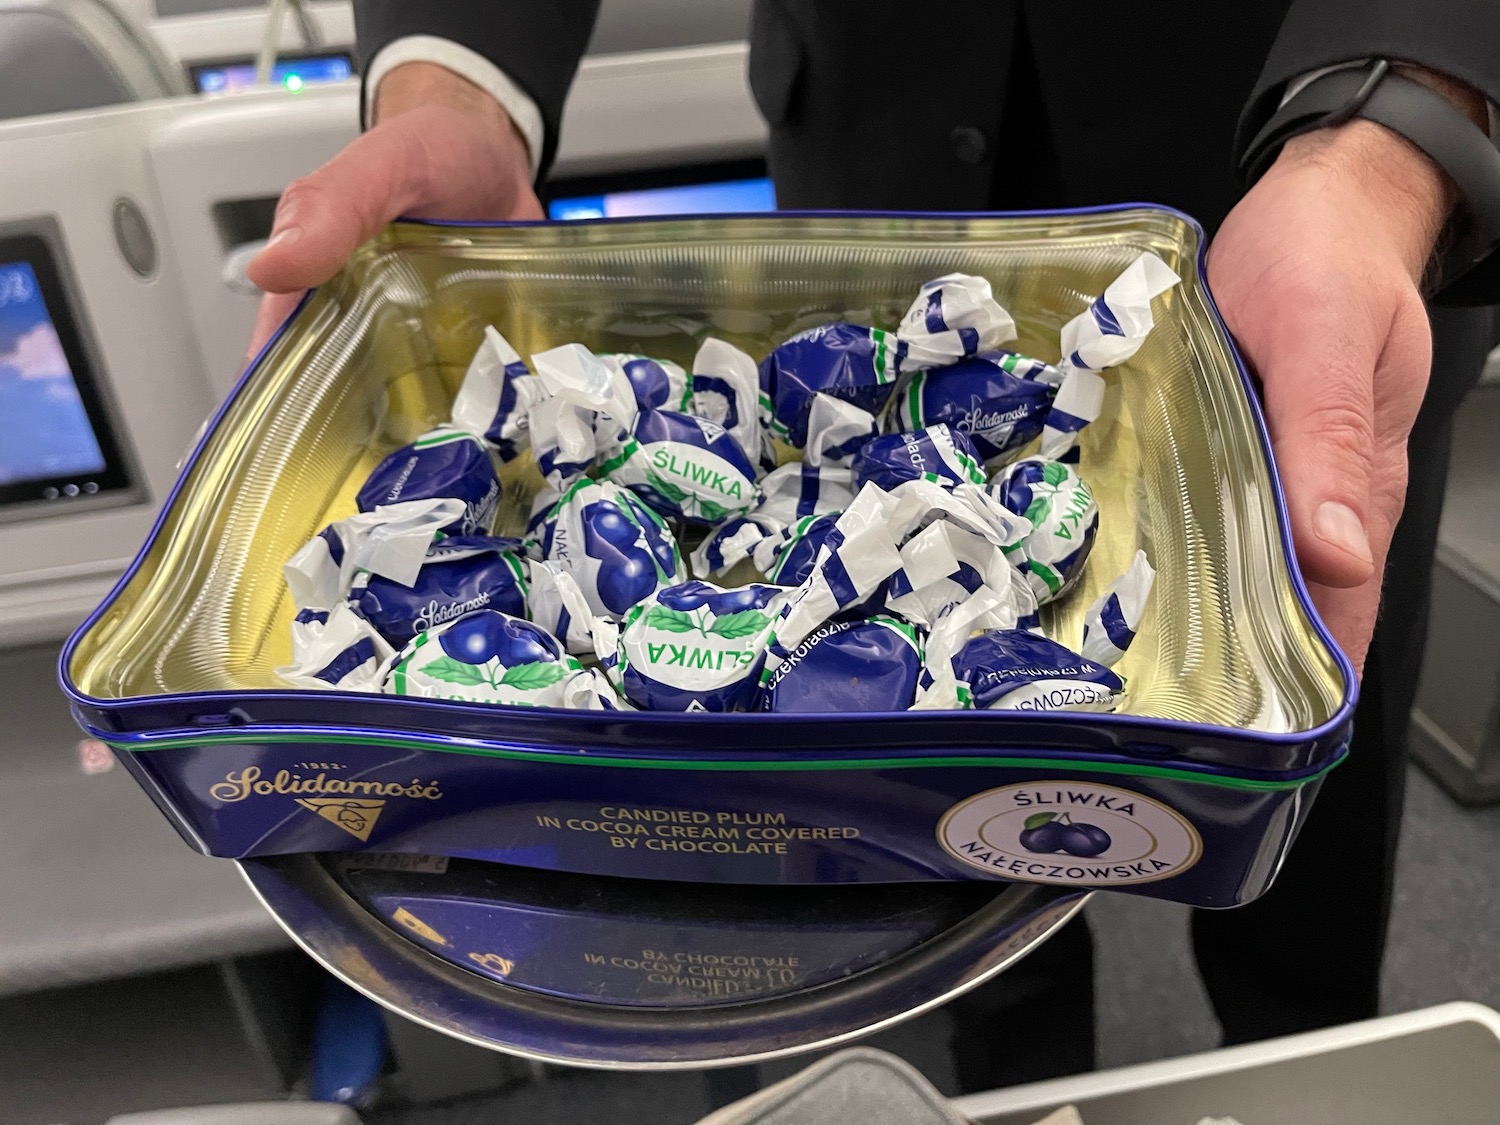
<point>336,649</point>
<point>937,453</point>
<point>869,665</point>
<point>613,546</point>
<point>659,384</point>
<point>998,400</point>
<point>952,317</point>
<point>458,460</point>
<point>1112,620</point>
<point>390,541</point>
<point>492,657</point>
<point>461,573</point>
<point>1010,669</point>
<point>691,647</point>
<point>1108,333</point>
<point>496,393</point>
<point>1064,519</point>
<point>684,466</point>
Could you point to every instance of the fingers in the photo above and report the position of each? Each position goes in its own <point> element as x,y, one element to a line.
<point>273,310</point>
<point>1317,373</point>
<point>322,217</point>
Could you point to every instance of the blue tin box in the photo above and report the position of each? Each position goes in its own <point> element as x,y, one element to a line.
<point>1239,703</point>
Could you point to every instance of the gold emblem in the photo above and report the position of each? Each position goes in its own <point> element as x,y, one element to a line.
<point>501,966</point>
<point>404,917</point>
<point>355,817</point>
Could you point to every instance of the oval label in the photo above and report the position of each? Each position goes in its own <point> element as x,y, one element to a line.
<point>1072,833</point>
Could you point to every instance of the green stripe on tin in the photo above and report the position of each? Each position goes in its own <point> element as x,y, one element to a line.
<point>793,765</point>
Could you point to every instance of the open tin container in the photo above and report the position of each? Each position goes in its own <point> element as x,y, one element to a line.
<point>1238,703</point>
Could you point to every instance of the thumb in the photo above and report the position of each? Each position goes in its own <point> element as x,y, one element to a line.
<point>324,216</point>
<point>1318,384</point>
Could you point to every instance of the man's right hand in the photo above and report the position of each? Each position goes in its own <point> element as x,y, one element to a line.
<point>439,148</point>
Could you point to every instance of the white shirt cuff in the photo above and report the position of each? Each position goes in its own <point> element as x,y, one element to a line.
<point>466,64</point>
<point>1300,83</point>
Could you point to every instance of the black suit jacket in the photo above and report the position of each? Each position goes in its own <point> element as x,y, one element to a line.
<point>889,104</point>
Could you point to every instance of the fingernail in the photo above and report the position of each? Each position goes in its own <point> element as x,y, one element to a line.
<point>1337,524</point>
<point>285,237</point>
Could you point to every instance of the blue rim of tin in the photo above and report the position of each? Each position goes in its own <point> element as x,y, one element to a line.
<point>791,761</point>
<point>1340,716</point>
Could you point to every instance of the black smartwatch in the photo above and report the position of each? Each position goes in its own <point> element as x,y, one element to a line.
<point>1377,92</point>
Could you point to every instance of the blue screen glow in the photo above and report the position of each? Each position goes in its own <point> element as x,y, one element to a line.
<point>293,74</point>
<point>725,197</point>
<point>46,429</point>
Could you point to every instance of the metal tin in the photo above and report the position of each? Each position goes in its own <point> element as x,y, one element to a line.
<point>1238,701</point>
<point>582,991</point>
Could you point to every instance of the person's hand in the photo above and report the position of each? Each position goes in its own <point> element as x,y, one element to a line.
<point>440,148</point>
<point>1317,272</point>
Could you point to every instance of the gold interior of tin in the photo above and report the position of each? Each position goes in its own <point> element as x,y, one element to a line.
<point>375,358</point>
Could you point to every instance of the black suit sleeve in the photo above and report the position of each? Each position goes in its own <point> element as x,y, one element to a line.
<point>537,44</point>
<point>1460,38</point>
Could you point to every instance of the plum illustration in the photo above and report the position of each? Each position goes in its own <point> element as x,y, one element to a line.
<point>1043,839</point>
<point>686,596</point>
<point>1047,833</point>
<point>628,579</point>
<point>1087,840</point>
<point>611,525</point>
<point>475,638</point>
<point>736,601</point>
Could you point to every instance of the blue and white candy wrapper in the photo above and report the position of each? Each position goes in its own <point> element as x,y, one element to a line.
<point>1064,519</point>
<point>944,565</point>
<point>1005,668</point>
<point>491,657</point>
<point>336,650</point>
<point>847,666</point>
<point>390,541</point>
<point>794,493</point>
<point>1108,333</point>
<point>617,550</point>
<point>445,463</point>
<point>998,400</point>
<point>726,390</point>
<point>691,647</point>
<point>937,454</point>
<point>496,393</point>
<point>954,316</point>
<point>458,460</point>
<point>461,573</point>
<point>1113,619</point>
<point>659,384</point>
<point>848,362</point>
<point>684,466</point>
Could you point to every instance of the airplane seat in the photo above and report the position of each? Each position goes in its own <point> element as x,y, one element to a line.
<point>58,56</point>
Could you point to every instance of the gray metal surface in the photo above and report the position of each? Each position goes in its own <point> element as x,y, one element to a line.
<point>1456,720</point>
<point>94,883</point>
<point>1439,1065</point>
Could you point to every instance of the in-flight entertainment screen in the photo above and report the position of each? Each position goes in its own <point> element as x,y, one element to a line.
<point>55,440</point>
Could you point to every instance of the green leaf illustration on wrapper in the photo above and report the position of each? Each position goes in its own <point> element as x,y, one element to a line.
<point>1036,820</point>
<point>452,671</point>
<point>1054,472</point>
<point>533,676</point>
<point>671,620</point>
<point>1037,510</point>
<point>734,626</point>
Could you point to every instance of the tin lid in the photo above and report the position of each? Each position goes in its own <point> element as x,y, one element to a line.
<point>627,973</point>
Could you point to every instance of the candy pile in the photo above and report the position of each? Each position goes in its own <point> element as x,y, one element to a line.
<point>865,534</point>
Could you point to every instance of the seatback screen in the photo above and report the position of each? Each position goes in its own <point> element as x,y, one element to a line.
<point>56,443</point>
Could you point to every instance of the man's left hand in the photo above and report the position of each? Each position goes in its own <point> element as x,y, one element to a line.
<point>1317,272</point>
